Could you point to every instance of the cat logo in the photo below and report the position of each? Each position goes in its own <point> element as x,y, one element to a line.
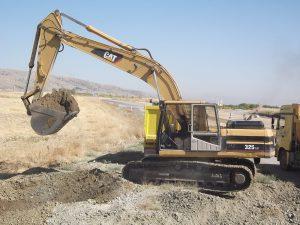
<point>108,55</point>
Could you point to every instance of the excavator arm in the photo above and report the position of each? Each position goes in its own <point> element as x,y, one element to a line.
<point>51,36</point>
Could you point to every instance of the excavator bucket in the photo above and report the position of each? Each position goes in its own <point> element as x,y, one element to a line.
<point>52,112</point>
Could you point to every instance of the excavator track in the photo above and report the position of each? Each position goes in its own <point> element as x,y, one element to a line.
<point>208,176</point>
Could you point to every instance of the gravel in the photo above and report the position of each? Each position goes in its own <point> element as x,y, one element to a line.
<point>86,194</point>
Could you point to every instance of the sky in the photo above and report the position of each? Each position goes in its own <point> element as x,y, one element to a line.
<point>217,50</point>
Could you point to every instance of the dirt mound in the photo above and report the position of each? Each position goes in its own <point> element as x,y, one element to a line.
<point>22,193</point>
<point>60,100</point>
<point>270,202</point>
<point>121,157</point>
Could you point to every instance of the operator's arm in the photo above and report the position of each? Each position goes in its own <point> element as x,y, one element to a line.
<point>50,37</point>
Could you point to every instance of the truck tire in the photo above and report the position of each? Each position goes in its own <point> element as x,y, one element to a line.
<point>284,161</point>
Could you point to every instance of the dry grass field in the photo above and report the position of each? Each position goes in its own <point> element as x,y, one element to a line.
<point>99,127</point>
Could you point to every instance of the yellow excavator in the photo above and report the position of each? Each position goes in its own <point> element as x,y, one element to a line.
<point>183,139</point>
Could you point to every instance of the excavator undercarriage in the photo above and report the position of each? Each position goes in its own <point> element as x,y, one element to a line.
<point>210,176</point>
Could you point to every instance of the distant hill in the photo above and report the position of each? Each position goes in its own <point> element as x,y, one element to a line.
<point>14,80</point>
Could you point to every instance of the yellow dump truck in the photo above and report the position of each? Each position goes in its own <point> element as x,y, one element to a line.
<point>287,124</point>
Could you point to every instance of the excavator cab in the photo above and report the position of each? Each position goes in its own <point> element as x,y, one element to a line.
<point>198,128</point>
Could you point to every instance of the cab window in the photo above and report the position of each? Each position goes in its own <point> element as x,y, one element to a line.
<point>204,119</point>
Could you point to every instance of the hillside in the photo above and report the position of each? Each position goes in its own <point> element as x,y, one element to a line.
<point>14,80</point>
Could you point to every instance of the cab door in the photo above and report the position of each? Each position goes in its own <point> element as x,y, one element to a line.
<point>205,128</point>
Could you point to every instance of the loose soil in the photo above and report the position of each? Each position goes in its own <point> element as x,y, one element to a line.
<point>60,100</point>
<point>95,193</point>
<point>28,198</point>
